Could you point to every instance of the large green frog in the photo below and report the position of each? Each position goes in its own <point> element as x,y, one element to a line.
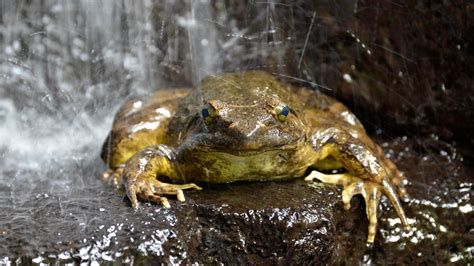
<point>245,126</point>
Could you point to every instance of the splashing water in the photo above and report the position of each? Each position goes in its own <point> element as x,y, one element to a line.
<point>65,69</point>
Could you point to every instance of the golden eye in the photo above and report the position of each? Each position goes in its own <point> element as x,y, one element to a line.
<point>282,111</point>
<point>208,114</point>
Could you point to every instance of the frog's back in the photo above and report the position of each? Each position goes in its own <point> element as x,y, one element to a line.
<point>322,111</point>
<point>244,88</point>
<point>141,122</point>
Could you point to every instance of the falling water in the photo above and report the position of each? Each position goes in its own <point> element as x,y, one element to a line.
<point>66,66</point>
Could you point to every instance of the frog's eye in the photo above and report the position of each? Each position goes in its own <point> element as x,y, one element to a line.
<point>208,113</point>
<point>282,111</point>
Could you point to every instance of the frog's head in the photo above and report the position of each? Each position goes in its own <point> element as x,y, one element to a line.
<point>247,112</point>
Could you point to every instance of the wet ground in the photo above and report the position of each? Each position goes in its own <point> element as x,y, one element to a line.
<point>440,209</point>
<point>85,220</point>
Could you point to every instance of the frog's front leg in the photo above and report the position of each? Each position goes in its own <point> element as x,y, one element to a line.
<point>141,171</point>
<point>367,172</point>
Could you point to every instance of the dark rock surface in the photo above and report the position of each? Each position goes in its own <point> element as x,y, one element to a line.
<point>440,211</point>
<point>247,223</point>
<point>265,222</point>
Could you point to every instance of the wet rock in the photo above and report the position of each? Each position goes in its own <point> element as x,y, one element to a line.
<point>440,211</point>
<point>285,222</point>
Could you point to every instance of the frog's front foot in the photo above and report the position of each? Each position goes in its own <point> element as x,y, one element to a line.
<point>152,190</point>
<point>369,190</point>
<point>141,171</point>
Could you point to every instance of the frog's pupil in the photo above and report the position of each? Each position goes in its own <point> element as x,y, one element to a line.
<point>205,112</point>
<point>285,111</point>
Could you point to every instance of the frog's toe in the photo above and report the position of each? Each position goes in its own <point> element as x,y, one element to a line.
<point>132,191</point>
<point>397,179</point>
<point>172,189</point>
<point>353,186</point>
<point>336,179</point>
<point>153,190</point>
<point>150,196</point>
<point>180,195</point>
<point>157,199</point>
<point>349,191</point>
<point>371,193</point>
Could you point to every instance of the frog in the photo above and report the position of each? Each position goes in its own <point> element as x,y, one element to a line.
<point>246,126</point>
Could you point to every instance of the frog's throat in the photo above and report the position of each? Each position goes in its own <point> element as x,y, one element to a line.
<point>221,166</point>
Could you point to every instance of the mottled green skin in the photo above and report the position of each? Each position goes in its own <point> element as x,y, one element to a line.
<point>166,135</point>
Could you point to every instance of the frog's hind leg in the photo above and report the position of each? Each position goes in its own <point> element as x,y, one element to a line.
<point>397,179</point>
<point>369,190</point>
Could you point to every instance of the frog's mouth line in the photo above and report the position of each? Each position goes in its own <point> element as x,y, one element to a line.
<point>206,143</point>
<point>248,152</point>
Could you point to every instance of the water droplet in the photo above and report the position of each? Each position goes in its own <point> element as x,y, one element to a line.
<point>347,78</point>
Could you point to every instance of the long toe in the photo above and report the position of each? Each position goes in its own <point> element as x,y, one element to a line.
<point>349,191</point>
<point>372,197</point>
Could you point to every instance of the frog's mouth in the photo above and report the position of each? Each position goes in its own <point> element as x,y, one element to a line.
<point>245,153</point>
<point>241,148</point>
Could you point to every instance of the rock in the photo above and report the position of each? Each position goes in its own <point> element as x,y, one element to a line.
<point>284,222</point>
